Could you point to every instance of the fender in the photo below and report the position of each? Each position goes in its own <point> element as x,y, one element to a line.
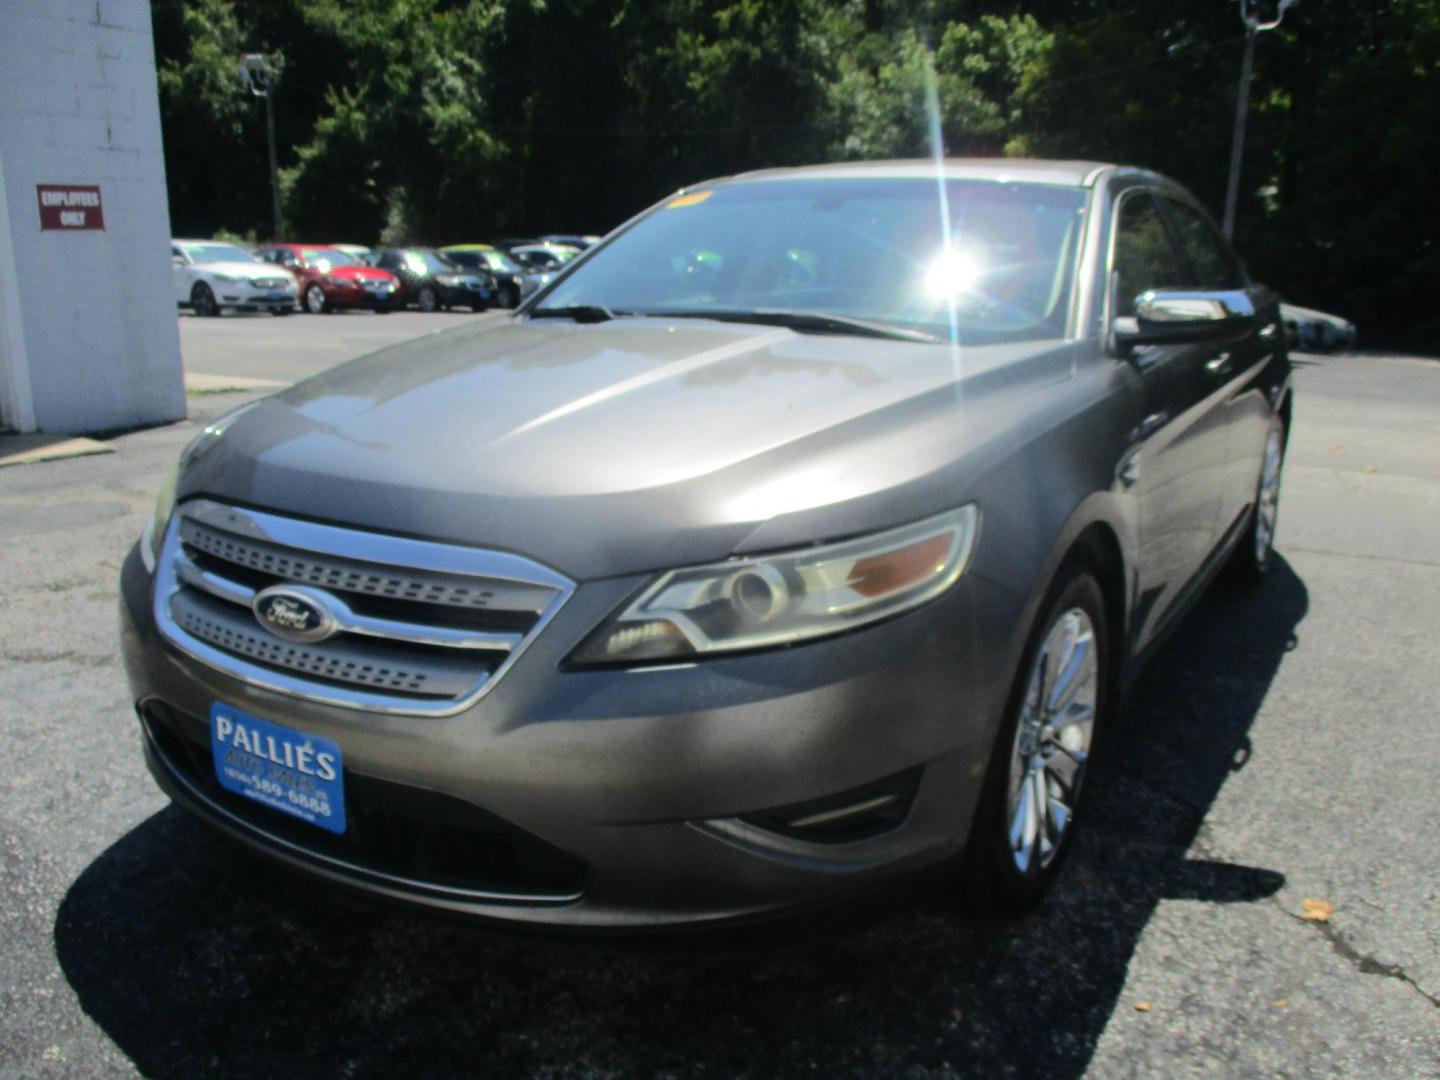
<point>1114,513</point>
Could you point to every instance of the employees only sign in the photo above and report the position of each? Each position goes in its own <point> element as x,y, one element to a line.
<point>70,206</point>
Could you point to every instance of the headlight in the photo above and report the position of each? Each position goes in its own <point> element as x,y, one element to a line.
<point>231,278</point>
<point>446,279</point>
<point>154,534</point>
<point>786,598</point>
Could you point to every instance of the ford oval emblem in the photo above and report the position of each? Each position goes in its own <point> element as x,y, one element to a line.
<point>294,615</point>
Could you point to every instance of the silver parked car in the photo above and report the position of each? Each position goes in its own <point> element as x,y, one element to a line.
<point>795,541</point>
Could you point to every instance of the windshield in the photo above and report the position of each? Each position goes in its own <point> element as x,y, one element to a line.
<point>423,261</point>
<point>324,258</point>
<point>214,253</point>
<point>502,263</point>
<point>870,249</point>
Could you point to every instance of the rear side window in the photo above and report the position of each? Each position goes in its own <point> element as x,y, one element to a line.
<point>1210,260</point>
<point>1144,257</point>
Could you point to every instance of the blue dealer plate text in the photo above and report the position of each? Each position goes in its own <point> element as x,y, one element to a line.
<point>295,773</point>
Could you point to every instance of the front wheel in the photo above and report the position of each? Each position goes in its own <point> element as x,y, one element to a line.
<point>1251,561</point>
<point>426,299</point>
<point>1026,818</point>
<point>203,301</point>
<point>315,302</point>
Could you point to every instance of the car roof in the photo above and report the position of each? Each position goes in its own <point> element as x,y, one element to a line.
<point>469,247</point>
<point>1022,170</point>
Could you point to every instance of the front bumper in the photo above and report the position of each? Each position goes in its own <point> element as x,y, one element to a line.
<point>361,296</point>
<point>464,296</point>
<point>658,781</point>
<point>245,296</point>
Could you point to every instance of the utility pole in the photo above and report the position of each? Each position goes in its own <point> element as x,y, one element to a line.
<point>255,70</point>
<point>1253,27</point>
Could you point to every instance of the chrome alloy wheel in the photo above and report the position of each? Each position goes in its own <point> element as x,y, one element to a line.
<point>1267,506</point>
<point>315,300</point>
<point>1052,740</point>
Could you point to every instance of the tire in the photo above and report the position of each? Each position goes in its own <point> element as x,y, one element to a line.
<point>1250,563</point>
<point>1034,787</point>
<point>426,300</point>
<point>315,302</point>
<point>512,297</point>
<point>203,302</point>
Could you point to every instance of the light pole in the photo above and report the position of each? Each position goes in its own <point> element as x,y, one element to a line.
<point>260,79</point>
<point>1253,26</point>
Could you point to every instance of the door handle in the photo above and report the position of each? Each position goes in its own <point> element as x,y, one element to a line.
<point>1218,365</point>
<point>1147,427</point>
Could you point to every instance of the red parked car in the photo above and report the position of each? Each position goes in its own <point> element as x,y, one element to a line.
<point>329,278</point>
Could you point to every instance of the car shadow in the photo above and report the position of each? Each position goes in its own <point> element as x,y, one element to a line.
<point>197,958</point>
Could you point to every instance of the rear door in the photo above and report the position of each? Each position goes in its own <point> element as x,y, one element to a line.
<point>1174,462</point>
<point>1240,371</point>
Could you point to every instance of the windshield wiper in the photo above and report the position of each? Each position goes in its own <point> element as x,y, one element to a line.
<point>583,313</point>
<point>812,322</point>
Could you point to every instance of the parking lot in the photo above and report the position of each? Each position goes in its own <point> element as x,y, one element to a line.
<point>1282,748</point>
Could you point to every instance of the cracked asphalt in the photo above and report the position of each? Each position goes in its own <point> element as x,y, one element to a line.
<point>1284,746</point>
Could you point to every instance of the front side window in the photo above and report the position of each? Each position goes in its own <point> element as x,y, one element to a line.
<point>1210,260</point>
<point>985,261</point>
<point>1144,257</point>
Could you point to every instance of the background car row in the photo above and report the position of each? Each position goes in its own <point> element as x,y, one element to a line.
<point>211,275</point>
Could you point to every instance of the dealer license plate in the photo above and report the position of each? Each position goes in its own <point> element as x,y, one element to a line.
<point>275,296</point>
<point>295,773</point>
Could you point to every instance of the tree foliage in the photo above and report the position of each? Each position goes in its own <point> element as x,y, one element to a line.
<point>448,120</point>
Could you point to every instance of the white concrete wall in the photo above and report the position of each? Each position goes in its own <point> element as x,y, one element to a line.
<point>97,341</point>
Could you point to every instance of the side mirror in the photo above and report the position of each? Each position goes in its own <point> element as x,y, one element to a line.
<point>177,262</point>
<point>1174,317</point>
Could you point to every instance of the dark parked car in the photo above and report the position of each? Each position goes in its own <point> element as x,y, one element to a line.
<point>433,282</point>
<point>513,282</point>
<point>796,542</point>
<point>576,240</point>
<point>543,258</point>
<point>330,278</point>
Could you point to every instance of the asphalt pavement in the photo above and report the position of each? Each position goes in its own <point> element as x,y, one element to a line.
<point>1282,748</point>
<point>285,348</point>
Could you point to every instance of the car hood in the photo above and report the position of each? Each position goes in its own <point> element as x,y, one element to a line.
<point>628,445</point>
<point>247,270</point>
<point>360,273</point>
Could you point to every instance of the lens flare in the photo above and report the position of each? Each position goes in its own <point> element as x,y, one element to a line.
<point>951,273</point>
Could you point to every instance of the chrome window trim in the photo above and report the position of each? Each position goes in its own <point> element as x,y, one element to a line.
<point>379,548</point>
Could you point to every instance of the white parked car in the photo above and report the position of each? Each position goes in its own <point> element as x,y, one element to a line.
<point>1316,331</point>
<point>211,275</point>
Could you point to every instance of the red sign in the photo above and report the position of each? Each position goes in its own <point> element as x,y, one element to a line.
<point>70,206</point>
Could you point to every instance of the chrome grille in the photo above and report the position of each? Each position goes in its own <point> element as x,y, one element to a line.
<point>347,575</point>
<point>420,627</point>
<point>268,283</point>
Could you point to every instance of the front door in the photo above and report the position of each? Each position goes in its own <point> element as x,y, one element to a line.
<point>1177,449</point>
<point>1239,370</point>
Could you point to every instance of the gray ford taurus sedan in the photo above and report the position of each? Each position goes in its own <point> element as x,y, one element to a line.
<point>797,539</point>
